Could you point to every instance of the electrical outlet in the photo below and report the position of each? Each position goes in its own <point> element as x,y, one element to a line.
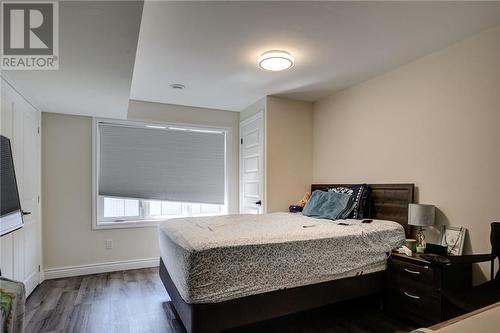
<point>109,244</point>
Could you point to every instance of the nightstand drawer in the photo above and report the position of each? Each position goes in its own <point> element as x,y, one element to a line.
<point>417,273</point>
<point>403,283</point>
<point>409,304</point>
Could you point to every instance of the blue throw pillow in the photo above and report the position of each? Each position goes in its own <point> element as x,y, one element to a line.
<point>328,205</point>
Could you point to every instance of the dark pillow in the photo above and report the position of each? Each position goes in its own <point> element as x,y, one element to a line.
<point>361,195</point>
<point>365,203</point>
<point>295,209</point>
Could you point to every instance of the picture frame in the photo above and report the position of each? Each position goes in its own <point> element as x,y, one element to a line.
<point>453,238</point>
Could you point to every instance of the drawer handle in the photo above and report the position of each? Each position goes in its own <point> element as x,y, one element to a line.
<point>412,272</point>
<point>411,296</point>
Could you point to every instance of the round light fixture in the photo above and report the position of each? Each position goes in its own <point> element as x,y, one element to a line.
<point>276,60</point>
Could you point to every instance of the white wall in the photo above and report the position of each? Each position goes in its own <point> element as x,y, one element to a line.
<point>254,108</point>
<point>67,188</point>
<point>434,122</point>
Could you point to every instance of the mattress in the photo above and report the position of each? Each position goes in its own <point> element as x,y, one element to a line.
<point>218,258</point>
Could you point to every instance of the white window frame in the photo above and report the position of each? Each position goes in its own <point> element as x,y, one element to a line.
<point>97,201</point>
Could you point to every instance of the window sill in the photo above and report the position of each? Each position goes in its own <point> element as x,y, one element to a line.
<point>139,223</point>
<point>127,224</point>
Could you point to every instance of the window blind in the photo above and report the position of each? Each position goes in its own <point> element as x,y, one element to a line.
<point>162,164</point>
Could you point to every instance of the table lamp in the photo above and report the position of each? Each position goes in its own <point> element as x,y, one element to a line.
<point>421,216</point>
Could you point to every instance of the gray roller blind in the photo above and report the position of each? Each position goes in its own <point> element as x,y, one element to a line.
<point>162,164</point>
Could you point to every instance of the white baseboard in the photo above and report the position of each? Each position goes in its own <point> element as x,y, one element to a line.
<point>62,272</point>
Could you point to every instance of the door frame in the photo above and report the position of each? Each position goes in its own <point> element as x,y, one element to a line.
<point>41,275</point>
<point>244,122</point>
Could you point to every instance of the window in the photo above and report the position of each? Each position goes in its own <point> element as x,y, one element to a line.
<point>120,210</point>
<point>146,173</point>
<point>117,207</point>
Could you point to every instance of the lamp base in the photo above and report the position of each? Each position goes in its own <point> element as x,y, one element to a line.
<point>421,243</point>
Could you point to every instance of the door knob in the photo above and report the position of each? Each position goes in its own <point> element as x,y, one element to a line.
<point>26,213</point>
<point>258,203</point>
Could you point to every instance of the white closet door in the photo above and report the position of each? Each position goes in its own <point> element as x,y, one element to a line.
<point>252,165</point>
<point>6,121</point>
<point>25,140</point>
<point>29,185</point>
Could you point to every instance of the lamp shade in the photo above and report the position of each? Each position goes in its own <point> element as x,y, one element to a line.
<point>421,215</point>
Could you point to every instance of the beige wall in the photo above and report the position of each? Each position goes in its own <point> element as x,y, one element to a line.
<point>434,122</point>
<point>68,238</point>
<point>288,152</point>
<point>288,149</point>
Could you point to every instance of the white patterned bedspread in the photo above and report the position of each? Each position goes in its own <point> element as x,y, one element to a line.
<point>214,259</point>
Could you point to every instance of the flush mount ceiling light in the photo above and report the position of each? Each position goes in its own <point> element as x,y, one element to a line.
<point>177,86</point>
<point>275,60</point>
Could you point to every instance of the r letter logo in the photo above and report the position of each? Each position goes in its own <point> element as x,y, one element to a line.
<point>30,35</point>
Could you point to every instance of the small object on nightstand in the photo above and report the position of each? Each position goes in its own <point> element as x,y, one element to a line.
<point>436,249</point>
<point>436,259</point>
<point>404,250</point>
<point>453,238</point>
<point>411,244</point>
<point>421,215</point>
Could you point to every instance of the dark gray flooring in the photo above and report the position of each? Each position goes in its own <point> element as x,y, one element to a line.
<point>136,301</point>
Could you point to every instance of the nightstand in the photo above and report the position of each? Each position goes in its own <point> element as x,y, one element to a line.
<point>413,288</point>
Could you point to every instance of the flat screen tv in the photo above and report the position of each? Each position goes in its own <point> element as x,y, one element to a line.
<point>11,216</point>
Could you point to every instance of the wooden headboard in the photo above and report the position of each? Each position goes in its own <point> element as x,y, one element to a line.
<point>388,202</point>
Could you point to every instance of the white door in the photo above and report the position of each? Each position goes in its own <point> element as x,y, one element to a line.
<point>252,165</point>
<point>6,241</point>
<point>27,143</point>
<point>20,122</point>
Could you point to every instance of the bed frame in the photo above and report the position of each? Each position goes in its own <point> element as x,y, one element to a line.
<point>389,202</point>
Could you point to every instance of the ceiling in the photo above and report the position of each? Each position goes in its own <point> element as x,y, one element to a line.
<point>97,46</point>
<point>212,47</point>
<point>108,56</point>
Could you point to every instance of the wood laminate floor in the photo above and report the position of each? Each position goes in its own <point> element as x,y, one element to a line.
<point>136,301</point>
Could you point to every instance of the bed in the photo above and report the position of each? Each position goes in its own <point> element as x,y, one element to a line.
<point>224,272</point>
